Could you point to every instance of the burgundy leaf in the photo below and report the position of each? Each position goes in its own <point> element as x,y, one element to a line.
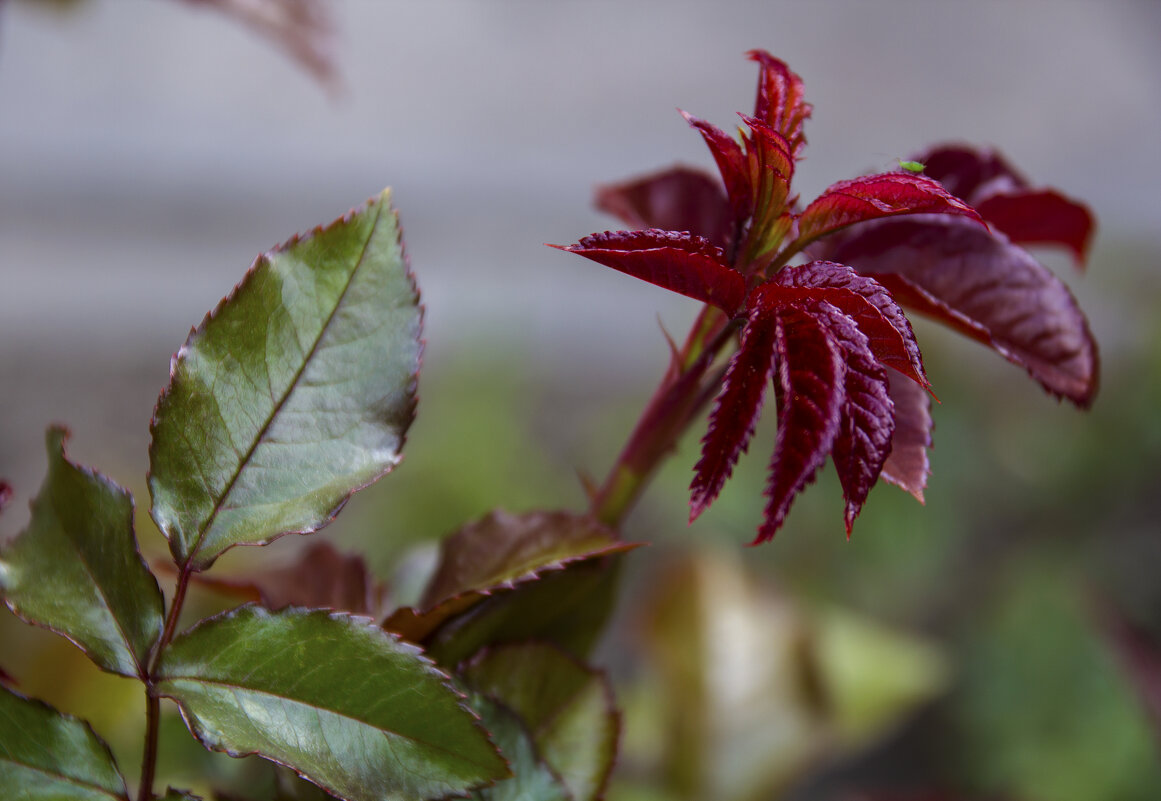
<point>678,199</point>
<point>865,299</point>
<point>1043,217</point>
<point>5,494</point>
<point>731,163</point>
<point>771,148</point>
<point>780,101</point>
<point>978,282</point>
<point>868,414</point>
<point>907,465</point>
<point>810,374</point>
<point>873,197</point>
<point>735,412</point>
<point>969,173</point>
<point>681,262</point>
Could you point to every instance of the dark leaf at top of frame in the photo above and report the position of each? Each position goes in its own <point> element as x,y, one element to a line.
<point>678,261</point>
<point>873,197</point>
<point>907,464</point>
<point>810,377</point>
<point>868,413</point>
<point>735,413</point>
<point>76,569</point>
<point>566,707</point>
<point>296,391</point>
<point>47,755</point>
<point>979,283</point>
<point>1027,215</point>
<point>346,705</point>
<point>781,100</point>
<point>677,199</point>
<point>732,164</point>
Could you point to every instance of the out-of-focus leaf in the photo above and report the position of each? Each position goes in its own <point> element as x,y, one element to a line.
<point>680,262</point>
<point>1140,657</point>
<point>566,707</point>
<point>302,28</point>
<point>334,697</point>
<point>5,494</point>
<point>6,678</point>
<point>678,199</point>
<point>497,553</point>
<point>76,569</point>
<point>781,100</point>
<point>979,283</point>
<point>531,780</point>
<point>54,757</point>
<point>291,395</point>
<point>874,197</point>
<point>173,794</point>
<point>907,465</point>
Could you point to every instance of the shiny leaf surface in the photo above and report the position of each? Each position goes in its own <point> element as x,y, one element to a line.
<point>76,568</point>
<point>781,102</point>
<point>334,697</point>
<point>292,394</point>
<point>532,779</point>
<point>47,756</point>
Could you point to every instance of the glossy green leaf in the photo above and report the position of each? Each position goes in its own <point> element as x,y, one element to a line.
<point>76,568</point>
<point>532,780</point>
<point>293,393</point>
<point>334,697</point>
<point>47,756</point>
<point>567,708</point>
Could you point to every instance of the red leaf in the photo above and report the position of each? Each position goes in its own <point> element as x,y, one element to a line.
<point>810,374</point>
<point>5,494</point>
<point>731,163</point>
<point>735,412</point>
<point>978,282</point>
<point>868,414</point>
<point>771,148</point>
<point>866,300</point>
<point>780,102</point>
<point>1043,217</point>
<point>969,173</point>
<point>873,197</point>
<point>678,199</point>
<point>680,262</point>
<point>907,466</point>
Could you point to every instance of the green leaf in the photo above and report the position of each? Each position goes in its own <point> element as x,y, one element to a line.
<point>47,756</point>
<point>173,794</point>
<point>567,708</point>
<point>532,780</point>
<point>295,392</point>
<point>77,571</point>
<point>332,696</point>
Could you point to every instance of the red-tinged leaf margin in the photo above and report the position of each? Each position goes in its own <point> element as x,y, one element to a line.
<point>732,164</point>
<point>780,100</point>
<point>907,465</point>
<point>678,199</point>
<point>868,414</point>
<point>735,413</point>
<point>811,377</point>
<point>678,261</point>
<point>873,197</point>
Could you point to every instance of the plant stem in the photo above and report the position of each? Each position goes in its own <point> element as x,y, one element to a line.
<point>152,702</point>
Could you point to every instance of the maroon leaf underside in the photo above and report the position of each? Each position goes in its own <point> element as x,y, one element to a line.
<point>678,199</point>
<point>981,284</point>
<point>1043,217</point>
<point>780,101</point>
<point>810,373</point>
<point>878,316</point>
<point>868,413</point>
<point>731,163</point>
<point>969,173</point>
<point>680,262</point>
<point>735,413</point>
<point>874,197</point>
<point>907,465</point>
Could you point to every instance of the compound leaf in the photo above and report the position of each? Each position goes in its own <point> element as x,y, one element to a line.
<point>47,756</point>
<point>343,703</point>
<point>76,569</point>
<point>292,394</point>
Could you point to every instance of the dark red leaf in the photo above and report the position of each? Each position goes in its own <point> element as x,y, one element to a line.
<point>771,148</point>
<point>680,262</point>
<point>678,199</point>
<point>780,101</point>
<point>873,197</point>
<point>731,163</point>
<point>868,414</point>
<point>907,465</point>
<point>5,494</point>
<point>878,316</point>
<point>735,412</point>
<point>969,173</point>
<point>810,374</point>
<point>1043,217</point>
<point>978,282</point>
